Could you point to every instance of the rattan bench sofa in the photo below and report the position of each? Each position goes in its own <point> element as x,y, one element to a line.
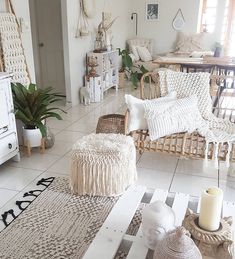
<point>185,144</point>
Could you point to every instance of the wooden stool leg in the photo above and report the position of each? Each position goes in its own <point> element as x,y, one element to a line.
<point>42,147</point>
<point>28,147</point>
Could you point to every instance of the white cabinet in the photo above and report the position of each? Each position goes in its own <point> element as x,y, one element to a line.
<point>107,68</point>
<point>8,136</point>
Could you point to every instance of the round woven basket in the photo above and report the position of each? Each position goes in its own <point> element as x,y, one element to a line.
<point>177,245</point>
<point>111,123</point>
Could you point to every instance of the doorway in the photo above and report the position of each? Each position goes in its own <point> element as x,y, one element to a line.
<point>46,26</point>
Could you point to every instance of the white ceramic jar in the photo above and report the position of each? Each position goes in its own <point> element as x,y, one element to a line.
<point>157,220</point>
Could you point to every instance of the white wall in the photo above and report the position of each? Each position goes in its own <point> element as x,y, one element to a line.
<point>78,47</point>
<point>162,31</point>
<point>75,49</point>
<point>22,11</point>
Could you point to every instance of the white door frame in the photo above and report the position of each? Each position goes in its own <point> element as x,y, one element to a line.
<point>65,36</point>
<point>36,55</point>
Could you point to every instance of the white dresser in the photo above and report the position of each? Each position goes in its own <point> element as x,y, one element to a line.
<point>8,135</point>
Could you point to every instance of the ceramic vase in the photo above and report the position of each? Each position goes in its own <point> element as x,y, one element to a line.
<point>49,139</point>
<point>33,136</point>
<point>157,220</point>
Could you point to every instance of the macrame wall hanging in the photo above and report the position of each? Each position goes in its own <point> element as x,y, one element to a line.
<point>12,57</point>
<point>178,21</point>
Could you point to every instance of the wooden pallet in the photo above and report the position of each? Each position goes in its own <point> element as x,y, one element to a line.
<point>113,232</point>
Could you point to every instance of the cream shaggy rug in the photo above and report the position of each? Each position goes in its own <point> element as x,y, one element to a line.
<point>55,225</point>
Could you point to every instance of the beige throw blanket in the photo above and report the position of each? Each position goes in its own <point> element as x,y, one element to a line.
<point>214,129</point>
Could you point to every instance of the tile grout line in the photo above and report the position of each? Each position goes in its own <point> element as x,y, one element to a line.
<point>173,174</point>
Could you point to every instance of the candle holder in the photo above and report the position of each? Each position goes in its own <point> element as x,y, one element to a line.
<point>217,244</point>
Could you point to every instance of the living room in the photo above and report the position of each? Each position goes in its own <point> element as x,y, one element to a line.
<point>51,220</point>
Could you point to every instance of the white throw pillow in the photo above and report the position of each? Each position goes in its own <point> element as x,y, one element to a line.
<point>166,118</point>
<point>144,54</point>
<point>135,105</point>
<point>189,42</point>
<point>134,51</point>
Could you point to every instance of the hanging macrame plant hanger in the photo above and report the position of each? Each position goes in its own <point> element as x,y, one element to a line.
<point>82,27</point>
<point>12,56</point>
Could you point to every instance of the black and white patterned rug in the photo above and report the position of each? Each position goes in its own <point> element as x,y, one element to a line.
<point>53,223</point>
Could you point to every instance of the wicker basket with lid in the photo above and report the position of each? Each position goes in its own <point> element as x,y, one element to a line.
<point>177,245</point>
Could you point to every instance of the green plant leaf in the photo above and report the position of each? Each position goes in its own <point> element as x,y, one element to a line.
<point>33,104</point>
<point>42,128</point>
<point>134,79</point>
<point>143,69</point>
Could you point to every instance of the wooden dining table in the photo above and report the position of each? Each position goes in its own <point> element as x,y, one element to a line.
<point>227,63</point>
<point>214,65</point>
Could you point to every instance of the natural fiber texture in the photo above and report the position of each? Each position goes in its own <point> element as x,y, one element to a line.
<point>103,164</point>
<point>187,84</point>
<point>11,49</point>
<point>111,123</point>
<point>184,144</point>
<point>56,225</point>
<point>177,245</point>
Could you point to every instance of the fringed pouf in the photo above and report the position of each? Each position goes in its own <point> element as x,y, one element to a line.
<point>103,164</point>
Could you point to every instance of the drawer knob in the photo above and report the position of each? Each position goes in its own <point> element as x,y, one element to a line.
<point>10,146</point>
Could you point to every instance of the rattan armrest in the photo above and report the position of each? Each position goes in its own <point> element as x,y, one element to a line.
<point>127,114</point>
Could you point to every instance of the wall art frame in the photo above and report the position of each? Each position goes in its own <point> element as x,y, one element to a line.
<point>152,11</point>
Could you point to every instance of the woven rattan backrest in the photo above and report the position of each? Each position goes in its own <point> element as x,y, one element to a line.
<point>150,86</point>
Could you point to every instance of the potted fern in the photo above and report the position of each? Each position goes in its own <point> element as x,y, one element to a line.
<point>33,106</point>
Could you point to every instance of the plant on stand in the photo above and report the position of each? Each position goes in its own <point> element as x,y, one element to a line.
<point>127,68</point>
<point>33,106</point>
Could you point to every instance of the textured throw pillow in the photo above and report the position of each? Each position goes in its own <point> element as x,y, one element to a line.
<point>166,118</point>
<point>187,84</point>
<point>134,51</point>
<point>144,54</point>
<point>188,43</point>
<point>136,107</point>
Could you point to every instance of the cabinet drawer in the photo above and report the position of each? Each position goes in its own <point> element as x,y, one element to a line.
<point>8,144</point>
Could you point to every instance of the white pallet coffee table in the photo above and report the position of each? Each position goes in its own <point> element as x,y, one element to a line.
<point>113,232</point>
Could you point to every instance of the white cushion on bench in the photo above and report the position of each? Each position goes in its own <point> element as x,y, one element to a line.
<point>136,108</point>
<point>166,118</point>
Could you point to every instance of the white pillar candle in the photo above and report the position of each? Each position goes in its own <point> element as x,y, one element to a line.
<point>210,210</point>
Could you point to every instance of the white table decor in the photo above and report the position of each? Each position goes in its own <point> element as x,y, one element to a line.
<point>113,232</point>
<point>157,220</point>
<point>211,207</point>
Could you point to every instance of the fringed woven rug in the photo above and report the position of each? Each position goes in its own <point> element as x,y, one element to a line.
<point>55,225</point>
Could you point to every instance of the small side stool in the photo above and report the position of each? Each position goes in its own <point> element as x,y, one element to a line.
<point>103,165</point>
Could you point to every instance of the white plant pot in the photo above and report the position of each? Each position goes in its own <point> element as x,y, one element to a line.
<point>33,136</point>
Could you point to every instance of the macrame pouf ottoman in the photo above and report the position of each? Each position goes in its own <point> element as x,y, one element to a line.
<point>103,165</point>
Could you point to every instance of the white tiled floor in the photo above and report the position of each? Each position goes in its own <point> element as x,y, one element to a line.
<point>155,170</point>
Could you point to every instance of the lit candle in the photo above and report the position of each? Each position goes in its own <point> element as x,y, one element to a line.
<point>210,210</point>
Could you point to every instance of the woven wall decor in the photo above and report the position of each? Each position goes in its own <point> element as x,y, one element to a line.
<point>12,53</point>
